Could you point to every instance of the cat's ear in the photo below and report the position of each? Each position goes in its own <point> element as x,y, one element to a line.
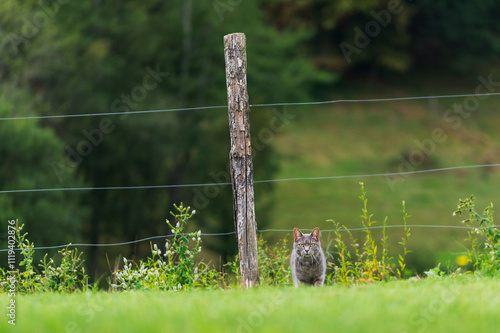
<point>297,234</point>
<point>315,233</point>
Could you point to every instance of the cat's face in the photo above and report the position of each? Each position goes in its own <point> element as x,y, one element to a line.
<point>306,244</point>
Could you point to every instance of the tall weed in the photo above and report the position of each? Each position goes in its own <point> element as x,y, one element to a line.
<point>356,261</point>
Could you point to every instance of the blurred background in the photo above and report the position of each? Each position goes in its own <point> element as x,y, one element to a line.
<point>60,57</point>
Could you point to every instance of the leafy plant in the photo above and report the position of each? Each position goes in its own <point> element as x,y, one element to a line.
<point>68,276</point>
<point>404,243</point>
<point>346,267</point>
<point>174,270</point>
<point>366,263</point>
<point>435,273</point>
<point>274,266</point>
<point>484,258</point>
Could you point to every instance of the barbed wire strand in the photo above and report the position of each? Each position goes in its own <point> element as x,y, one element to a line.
<point>253,105</point>
<point>255,182</point>
<point>259,231</point>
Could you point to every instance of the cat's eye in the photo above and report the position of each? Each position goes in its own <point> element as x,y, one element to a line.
<point>302,245</point>
<point>312,244</point>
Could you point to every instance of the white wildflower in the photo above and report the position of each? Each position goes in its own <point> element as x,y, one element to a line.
<point>177,225</point>
<point>194,211</point>
<point>199,233</point>
<point>179,286</point>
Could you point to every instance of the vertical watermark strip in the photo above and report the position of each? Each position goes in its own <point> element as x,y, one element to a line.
<point>11,271</point>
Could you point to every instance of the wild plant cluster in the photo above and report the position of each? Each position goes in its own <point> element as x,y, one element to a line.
<point>483,238</point>
<point>367,260</point>
<point>175,268</point>
<point>274,267</point>
<point>67,276</point>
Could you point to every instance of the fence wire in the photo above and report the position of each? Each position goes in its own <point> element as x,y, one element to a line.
<point>253,105</point>
<point>255,182</point>
<point>402,226</point>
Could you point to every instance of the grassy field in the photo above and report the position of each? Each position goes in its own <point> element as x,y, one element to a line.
<point>347,139</point>
<point>444,305</point>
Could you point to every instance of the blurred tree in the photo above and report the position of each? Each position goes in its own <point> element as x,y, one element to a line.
<point>27,153</point>
<point>374,35</point>
<point>463,36</point>
<point>28,150</point>
<point>344,36</point>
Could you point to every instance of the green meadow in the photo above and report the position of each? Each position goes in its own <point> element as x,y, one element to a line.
<point>463,304</point>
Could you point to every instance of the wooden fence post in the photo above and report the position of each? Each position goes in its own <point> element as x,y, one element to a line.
<point>241,157</point>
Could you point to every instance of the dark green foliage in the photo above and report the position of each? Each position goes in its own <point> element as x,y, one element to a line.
<point>27,155</point>
<point>463,35</point>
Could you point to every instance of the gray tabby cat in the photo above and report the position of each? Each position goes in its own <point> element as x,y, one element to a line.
<point>307,260</point>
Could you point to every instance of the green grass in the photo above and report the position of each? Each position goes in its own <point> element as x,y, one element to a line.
<point>445,305</point>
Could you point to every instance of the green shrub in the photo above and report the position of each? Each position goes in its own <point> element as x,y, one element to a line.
<point>68,276</point>
<point>483,238</point>
<point>175,269</point>
<point>274,267</point>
